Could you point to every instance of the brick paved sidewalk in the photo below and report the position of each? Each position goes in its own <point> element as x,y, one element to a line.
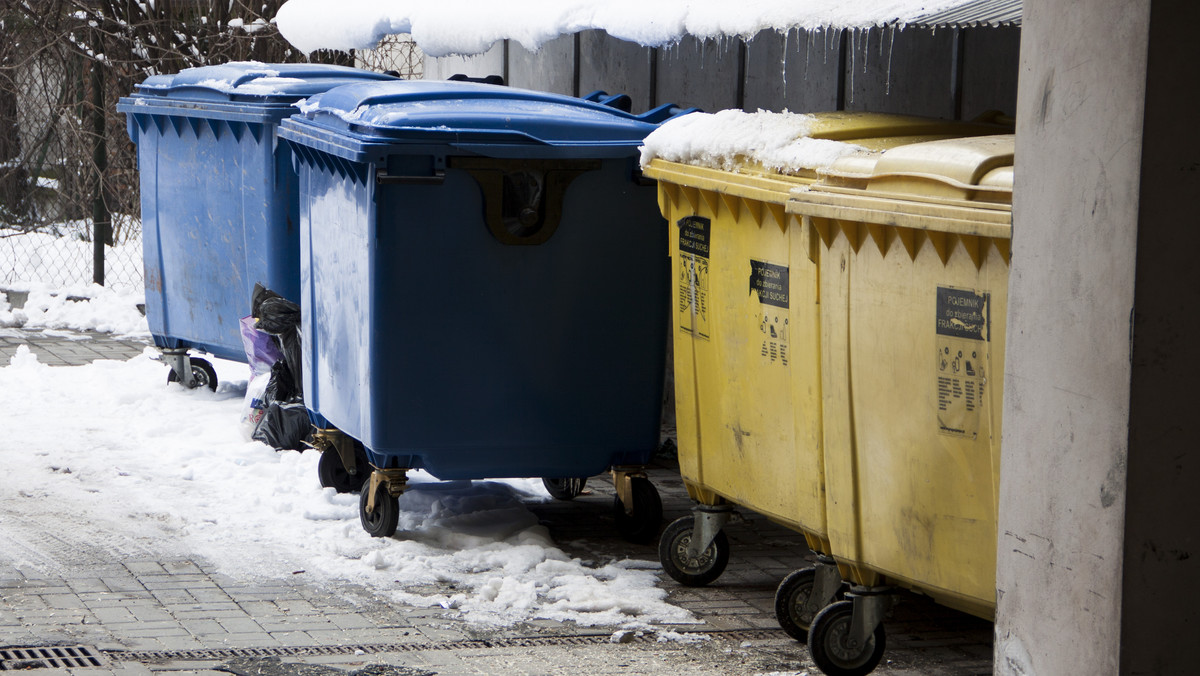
<point>184,616</point>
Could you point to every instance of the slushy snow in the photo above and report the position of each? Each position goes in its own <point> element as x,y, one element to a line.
<point>138,465</point>
<point>730,139</point>
<point>473,26</point>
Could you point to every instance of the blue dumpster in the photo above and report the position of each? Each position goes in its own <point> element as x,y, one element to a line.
<point>484,278</point>
<point>219,199</point>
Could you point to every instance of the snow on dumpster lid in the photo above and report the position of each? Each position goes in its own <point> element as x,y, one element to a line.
<point>473,26</point>
<point>731,140</point>
<point>253,81</point>
<point>466,114</point>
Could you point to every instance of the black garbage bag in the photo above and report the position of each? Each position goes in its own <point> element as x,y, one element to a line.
<point>281,386</point>
<point>280,317</point>
<point>284,426</point>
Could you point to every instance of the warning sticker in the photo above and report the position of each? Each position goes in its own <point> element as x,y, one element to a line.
<point>963,334</point>
<point>693,275</point>
<point>771,283</point>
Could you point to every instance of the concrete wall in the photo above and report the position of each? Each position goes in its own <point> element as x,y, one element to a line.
<point>1096,569</point>
<point>1161,576</point>
<point>946,73</point>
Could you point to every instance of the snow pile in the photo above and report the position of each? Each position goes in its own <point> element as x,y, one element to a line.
<point>177,472</point>
<point>81,307</point>
<point>472,26</point>
<point>731,138</point>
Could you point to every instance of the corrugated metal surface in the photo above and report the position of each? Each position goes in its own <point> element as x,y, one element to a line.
<point>973,13</point>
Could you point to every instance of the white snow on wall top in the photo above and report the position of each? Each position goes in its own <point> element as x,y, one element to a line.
<point>473,26</point>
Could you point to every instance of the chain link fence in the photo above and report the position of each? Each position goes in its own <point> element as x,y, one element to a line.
<point>69,202</point>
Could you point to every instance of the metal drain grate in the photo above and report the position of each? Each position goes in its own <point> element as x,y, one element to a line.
<point>371,649</point>
<point>19,658</point>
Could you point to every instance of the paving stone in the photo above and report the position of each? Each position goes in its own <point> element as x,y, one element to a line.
<point>239,625</point>
<point>114,615</point>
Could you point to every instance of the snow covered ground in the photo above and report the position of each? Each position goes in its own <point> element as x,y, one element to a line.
<point>110,460</point>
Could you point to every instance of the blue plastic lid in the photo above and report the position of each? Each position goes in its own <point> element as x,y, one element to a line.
<point>351,120</point>
<point>251,81</point>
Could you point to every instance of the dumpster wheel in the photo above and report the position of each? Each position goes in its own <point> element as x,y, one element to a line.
<point>333,473</point>
<point>203,374</point>
<point>638,522</point>
<point>795,606</point>
<point>691,572</point>
<point>832,647</point>
<point>564,489</point>
<point>378,504</point>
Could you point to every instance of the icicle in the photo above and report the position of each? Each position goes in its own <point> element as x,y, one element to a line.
<point>783,59</point>
<point>887,87</point>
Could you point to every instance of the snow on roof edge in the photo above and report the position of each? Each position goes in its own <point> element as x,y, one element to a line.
<point>468,27</point>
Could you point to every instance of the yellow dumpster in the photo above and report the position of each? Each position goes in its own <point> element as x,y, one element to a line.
<point>747,354</point>
<point>914,252</point>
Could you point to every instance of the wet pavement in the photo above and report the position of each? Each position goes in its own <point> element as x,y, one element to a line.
<point>163,614</point>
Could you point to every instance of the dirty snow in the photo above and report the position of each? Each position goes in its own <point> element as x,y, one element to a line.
<point>729,139</point>
<point>132,464</point>
<point>473,26</point>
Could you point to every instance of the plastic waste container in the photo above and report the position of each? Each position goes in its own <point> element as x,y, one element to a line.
<point>749,332</point>
<point>219,199</point>
<point>483,277</point>
<point>912,312</point>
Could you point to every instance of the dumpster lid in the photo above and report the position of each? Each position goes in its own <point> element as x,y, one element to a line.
<point>475,116</point>
<point>973,168</point>
<point>252,81</point>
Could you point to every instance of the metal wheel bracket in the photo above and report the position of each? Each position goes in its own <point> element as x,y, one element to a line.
<point>395,479</point>
<point>708,522</point>
<point>333,439</point>
<point>623,483</point>
<point>181,364</point>
<point>826,581</point>
<point>870,606</point>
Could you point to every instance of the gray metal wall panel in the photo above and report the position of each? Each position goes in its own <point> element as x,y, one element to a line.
<point>991,59</point>
<point>490,62</point>
<point>701,73</point>
<point>616,66</point>
<point>550,69</point>
<point>901,71</point>
<point>797,71</point>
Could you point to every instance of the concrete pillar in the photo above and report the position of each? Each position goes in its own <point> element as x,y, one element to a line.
<point>1096,571</point>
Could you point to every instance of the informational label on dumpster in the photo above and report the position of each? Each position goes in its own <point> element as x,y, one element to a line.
<point>774,327</point>
<point>693,275</point>
<point>963,335</point>
<point>770,281</point>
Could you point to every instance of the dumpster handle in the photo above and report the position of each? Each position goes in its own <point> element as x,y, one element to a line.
<point>438,178</point>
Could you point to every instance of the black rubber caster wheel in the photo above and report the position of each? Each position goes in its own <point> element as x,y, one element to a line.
<point>790,598</point>
<point>382,521</point>
<point>641,527</point>
<point>691,572</point>
<point>333,473</point>
<point>564,489</point>
<point>203,375</point>
<point>830,646</point>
